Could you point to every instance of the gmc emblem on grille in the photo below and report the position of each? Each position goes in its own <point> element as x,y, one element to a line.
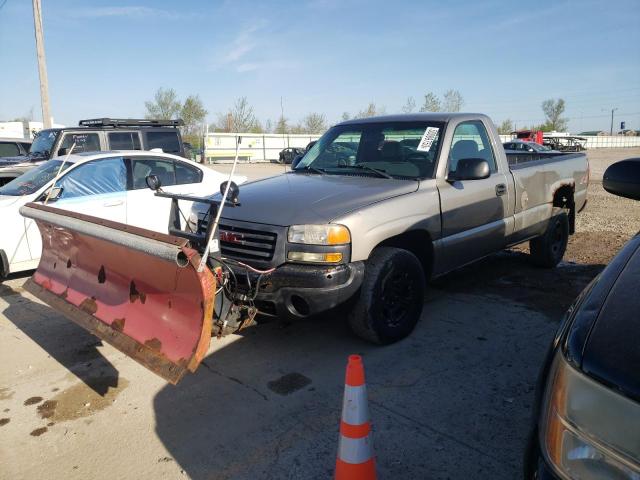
<point>230,237</point>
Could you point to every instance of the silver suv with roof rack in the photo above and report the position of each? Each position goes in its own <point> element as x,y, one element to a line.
<point>94,135</point>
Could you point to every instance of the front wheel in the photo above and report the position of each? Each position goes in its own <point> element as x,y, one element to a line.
<point>390,300</point>
<point>548,249</point>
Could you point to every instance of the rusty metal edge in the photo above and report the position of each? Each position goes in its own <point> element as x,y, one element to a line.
<point>143,232</point>
<point>144,355</point>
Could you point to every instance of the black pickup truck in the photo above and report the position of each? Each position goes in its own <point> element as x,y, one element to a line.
<point>98,134</point>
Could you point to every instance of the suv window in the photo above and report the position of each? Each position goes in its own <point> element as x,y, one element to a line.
<point>470,140</point>
<point>93,178</point>
<point>187,174</point>
<point>9,150</point>
<point>124,140</point>
<point>142,168</point>
<point>167,141</point>
<point>85,142</point>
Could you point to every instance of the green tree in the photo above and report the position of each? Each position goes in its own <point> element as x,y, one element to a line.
<point>193,114</point>
<point>506,127</point>
<point>553,110</point>
<point>431,103</point>
<point>164,106</point>
<point>282,126</point>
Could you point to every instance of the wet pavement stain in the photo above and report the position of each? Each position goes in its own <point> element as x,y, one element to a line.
<point>4,421</point>
<point>32,401</point>
<point>39,431</point>
<point>5,393</point>
<point>82,400</point>
<point>288,383</point>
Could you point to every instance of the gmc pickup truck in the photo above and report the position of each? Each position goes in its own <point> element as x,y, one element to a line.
<point>379,206</point>
<point>364,219</point>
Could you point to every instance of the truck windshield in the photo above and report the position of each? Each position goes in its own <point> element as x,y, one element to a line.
<point>403,150</point>
<point>43,143</point>
<point>33,180</point>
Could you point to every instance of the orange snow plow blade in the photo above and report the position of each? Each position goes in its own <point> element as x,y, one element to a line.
<point>135,289</point>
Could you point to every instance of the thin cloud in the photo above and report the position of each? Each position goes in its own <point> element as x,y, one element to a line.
<point>129,11</point>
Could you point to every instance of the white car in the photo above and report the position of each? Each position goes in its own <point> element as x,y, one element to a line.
<point>110,185</point>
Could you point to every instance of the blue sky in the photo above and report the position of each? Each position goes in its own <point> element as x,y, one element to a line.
<point>105,58</point>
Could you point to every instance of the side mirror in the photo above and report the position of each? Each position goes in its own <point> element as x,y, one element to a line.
<point>153,182</point>
<point>623,178</point>
<point>296,161</point>
<point>62,151</point>
<point>470,169</point>
<point>55,194</point>
<point>234,191</point>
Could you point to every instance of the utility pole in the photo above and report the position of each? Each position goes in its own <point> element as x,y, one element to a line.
<point>611,130</point>
<point>42,64</point>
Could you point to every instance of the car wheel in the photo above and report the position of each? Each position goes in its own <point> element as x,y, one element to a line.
<point>547,250</point>
<point>390,300</point>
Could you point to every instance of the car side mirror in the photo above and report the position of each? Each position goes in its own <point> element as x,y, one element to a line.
<point>62,151</point>
<point>623,178</point>
<point>470,169</point>
<point>296,161</point>
<point>234,191</point>
<point>54,194</point>
<point>153,182</point>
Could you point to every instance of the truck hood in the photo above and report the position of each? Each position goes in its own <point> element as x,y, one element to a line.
<point>298,198</point>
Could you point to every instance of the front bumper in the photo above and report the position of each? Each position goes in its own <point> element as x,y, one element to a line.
<point>298,291</point>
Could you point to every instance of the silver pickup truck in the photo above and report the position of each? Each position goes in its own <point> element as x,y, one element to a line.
<point>379,206</point>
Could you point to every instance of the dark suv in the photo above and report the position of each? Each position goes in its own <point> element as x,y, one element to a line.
<point>98,134</point>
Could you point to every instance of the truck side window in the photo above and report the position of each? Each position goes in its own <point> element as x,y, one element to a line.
<point>93,178</point>
<point>470,140</point>
<point>124,140</point>
<point>167,141</point>
<point>164,169</point>
<point>85,142</point>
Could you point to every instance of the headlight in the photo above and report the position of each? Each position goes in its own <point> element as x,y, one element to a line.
<point>319,234</point>
<point>589,431</point>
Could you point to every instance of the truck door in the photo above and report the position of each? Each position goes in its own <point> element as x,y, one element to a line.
<point>473,211</point>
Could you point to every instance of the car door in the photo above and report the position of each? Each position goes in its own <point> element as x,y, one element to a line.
<point>97,188</point>
<point>175,176</point>
<point>473,211</point>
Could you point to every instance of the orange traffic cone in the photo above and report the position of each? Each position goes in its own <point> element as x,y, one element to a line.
<point>355,451</point>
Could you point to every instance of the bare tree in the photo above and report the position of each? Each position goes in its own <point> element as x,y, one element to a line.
<point>282,126</point>
<point>314,123</point>
<point>242,117</point>
<point>431,103</point>
<point>164,106</point>
<point>193,113</point>
<point>409,106</point>
<point>553,110</point>
<point>452,101</point>
<point>506,127</point>
<point>372,110</point>
<point>345,116</point>
<point>268,126</point>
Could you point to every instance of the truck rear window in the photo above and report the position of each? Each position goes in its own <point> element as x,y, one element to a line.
<point>124,141</point>
<point>167,141</point>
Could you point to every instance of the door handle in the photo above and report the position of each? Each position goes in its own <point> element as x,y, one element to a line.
<point>113,203</point>
<point>501,189</point>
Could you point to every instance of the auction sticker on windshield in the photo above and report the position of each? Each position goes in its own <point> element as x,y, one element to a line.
<point>427,139</point>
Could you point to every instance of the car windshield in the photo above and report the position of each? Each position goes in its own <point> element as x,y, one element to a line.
<point>33,180</point>
<point>402,150</point>
<point>43,142</point>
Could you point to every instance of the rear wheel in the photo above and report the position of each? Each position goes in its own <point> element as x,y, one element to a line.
<point>547,250</point>
<point>390,300</point>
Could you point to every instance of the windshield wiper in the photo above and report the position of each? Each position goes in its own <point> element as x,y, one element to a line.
<point>360,166</point>
<point>309,168</point>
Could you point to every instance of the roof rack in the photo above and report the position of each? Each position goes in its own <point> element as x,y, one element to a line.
<point>129,122</point>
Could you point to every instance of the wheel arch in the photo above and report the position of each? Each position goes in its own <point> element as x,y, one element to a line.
<point>418,242</point>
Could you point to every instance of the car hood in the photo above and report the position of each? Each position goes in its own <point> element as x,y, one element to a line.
<point>6,200</point>
<point>298,198</point>
<point>606,329</point>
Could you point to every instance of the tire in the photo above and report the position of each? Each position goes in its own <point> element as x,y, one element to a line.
<point>390,300</point>
<point>547,250</point>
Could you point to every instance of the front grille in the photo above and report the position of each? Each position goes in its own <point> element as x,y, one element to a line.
<point>244,243</point>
